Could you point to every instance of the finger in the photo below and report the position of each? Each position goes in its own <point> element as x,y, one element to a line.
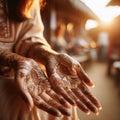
<point>84,77</point>
<point>62,92</point>
<point>89,95</point>
<point>81,106</point>
<point>85,100</point>
<point>40,103</point>
<point>53,103</point>
<point>58,98</point>
<point>60,88</point>
<point>36,113</point>
<point>23,90</point>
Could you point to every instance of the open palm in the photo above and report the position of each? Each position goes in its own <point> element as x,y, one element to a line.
<point>68,79</point>
<point>35,88</point>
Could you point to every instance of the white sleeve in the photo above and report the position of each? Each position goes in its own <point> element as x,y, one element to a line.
<point>31,32</point>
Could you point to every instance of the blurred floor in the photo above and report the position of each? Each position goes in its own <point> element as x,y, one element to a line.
<point>106,91</point>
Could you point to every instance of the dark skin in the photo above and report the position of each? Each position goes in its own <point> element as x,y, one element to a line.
<point>33,84</point>
<point>67,78</point>
<point>66,82</point>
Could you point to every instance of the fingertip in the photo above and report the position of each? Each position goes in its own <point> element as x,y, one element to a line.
<point>97,113</point>
<point>92,85</point>
<point>89,83</point>
<point>88,113</point>
<point>29,100</point>
<point>98,105</point>
<point>100,108</point>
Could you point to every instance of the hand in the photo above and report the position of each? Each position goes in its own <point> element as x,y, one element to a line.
<point>69,79</point>
<point>35,88</point>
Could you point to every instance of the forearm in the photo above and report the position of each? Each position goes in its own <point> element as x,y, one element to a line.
<point>9,59</point>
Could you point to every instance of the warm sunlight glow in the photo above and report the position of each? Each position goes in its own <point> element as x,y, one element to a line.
<point>109,13</point>
<point>93,45</point>
<point>106,14</point>
<point>90,24</point>
<point>69,27</point>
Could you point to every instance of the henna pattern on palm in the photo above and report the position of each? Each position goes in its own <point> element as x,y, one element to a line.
<point>33,82</point>
<point>33,85</point>
<point>68,79</point>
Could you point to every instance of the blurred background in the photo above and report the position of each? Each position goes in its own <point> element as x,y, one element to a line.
<point>89,31</point>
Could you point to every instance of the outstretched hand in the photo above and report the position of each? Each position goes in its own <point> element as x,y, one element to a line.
<point>68,79</point>
<point>35,88</point>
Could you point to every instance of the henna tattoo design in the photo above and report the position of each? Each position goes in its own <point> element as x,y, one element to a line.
<point>33,84</point>
<point>69,79</point>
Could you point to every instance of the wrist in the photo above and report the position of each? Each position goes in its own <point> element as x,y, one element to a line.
<point>7,58</point>
<point>42,53</point>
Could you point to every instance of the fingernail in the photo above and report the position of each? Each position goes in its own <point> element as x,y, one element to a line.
<point>88,113</point>
<point>93,86</point>
<point>97,113</point>
<point>100,108</point>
